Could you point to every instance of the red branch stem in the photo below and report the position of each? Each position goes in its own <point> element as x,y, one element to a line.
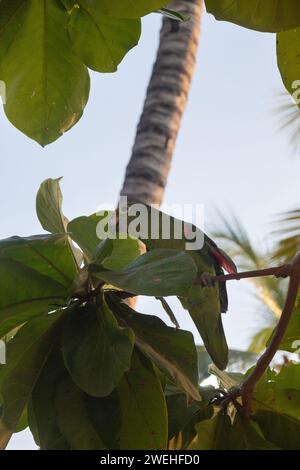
<point>293,272</point>
<point>281,271</point>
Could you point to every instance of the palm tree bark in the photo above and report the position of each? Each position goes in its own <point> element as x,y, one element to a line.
<point>166,99</point>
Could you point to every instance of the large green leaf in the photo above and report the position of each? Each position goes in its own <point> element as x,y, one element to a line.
<point>122,253</point>
<point>26,357</point>
<point>279,393</point>
<point>74,420</point>
<point>94,424</point>
<point>83,231</point>
<point>247,436</point>
<point>114,254</point>
<point>280,401</point>
<point>100,40</point>
<point>47,85</point>
<point>288,50</point>
<point>212,434</point>
<point>291,339</point>
<point>183,416</point>
<point>261,15</point>
<point>276,406</point>
<point>96,350</point>
<point>49,211</point>
<point>172,350</point>
<point>57,403</point>
<point>280,429</point>
<point>42,411</point>
<point>49,207</point>
<point>143,408</point>
<point>46,254</point>
<point>289,377</point>
<point>125,8</point>
<point>132,417</point>
<point>106,418</point>
<point>157,273</point>
<point>24,293</point>
<point>219,433</point>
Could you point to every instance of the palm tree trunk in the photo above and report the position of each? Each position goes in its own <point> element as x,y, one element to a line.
<point>166,99</point>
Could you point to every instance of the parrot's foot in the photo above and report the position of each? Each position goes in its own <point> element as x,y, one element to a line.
<point>206,280</point>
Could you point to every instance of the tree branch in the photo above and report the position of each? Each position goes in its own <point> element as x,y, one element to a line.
<point>248,386</point>
<point>279,271</point>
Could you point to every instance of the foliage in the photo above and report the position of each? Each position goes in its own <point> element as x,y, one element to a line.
<point>262,15</point>
<point>47,87</point>
<point>274,422</point>
<point>89,372</point>
<point>272,16</point>
<point>84,369</point>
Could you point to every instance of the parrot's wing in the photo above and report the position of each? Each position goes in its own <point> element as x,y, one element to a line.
<point>220,256</point>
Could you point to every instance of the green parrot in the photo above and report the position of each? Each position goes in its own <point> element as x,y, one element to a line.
<point>206,300</point>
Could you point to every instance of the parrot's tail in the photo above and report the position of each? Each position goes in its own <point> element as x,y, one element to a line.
<point>223,297</point>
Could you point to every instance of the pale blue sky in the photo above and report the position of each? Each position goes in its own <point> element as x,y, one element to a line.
<point>229,153</point>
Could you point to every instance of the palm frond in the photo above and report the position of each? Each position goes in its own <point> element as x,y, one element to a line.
<point>289,119</point>
<point>269,291</point>
<point>260,339</point>
<point>234,239</point>
<point>287,235</point>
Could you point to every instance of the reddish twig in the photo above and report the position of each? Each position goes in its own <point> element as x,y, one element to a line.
<point>248,386</point>
<point>281,271</point>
